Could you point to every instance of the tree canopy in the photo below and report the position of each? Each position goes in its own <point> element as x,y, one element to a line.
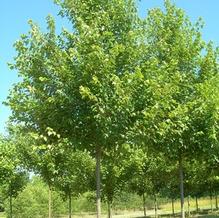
<point>114,83</point>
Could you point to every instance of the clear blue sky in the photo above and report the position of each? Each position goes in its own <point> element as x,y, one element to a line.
<point>14,15</point>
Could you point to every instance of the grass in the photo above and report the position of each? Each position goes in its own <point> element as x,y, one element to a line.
<point>2,215</point>
<point>150,214</point>
<point>165,211</point>
<point>203,204</point>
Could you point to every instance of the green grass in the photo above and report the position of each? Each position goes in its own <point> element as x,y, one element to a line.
<point>2,215</point>
<point>165,209</point>
<point>203,203</point>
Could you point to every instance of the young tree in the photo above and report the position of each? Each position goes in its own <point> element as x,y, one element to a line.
<point>12,177</point>
<point>116,172</point>
<point>77,83</point>
<point>32,201</point>
<point>13,186</point>
<point>75,173</point>
<point>38,154</point>
<point>139,181</point>
<point>93,84</point>
<point>173,116</point>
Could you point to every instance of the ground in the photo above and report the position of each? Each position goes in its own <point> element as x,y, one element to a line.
<point>165,211</point>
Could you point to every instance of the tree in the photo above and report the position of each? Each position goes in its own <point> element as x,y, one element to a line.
<point>32,201</point>
<point>173,117</point>
<point>13,178</point>
<point>77,83</point>
<point>139,181</point>
<point>15,184</point>
<point>55,160</point>
<point>38,154</point>
<point>115,173</point>
<point>6,166</point>
<point>75,174</point>
<point>117,79</point>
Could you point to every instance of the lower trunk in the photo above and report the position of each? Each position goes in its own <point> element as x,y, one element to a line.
<point>98,156</point>
<point>216,202</point>
<point>155,205</point>
<point>188,206</point>
<point>196,202</point>
<point>173,209</point>
<point>50,202</point>
<point>10,206</point>
<point>211,202</point>
<point>69,206</point>
<point>181,188</point>
<point>109,209</point>
<point>144,206</point>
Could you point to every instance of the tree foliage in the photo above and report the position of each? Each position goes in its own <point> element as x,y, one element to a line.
<point>113,83</point>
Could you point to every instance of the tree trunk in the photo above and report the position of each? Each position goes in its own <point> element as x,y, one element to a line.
<point>216,202</point>
<point>69,206</point>
<point>144,206</point>
<point>173,209</point>
<point>181,188</point>
<point>155,205</point>
<point>50,202</point>
<point>188,206</point>
<point>98,157</point>
<point>109,204</point>
<point>211,202</point>
<point>10,205</point>
<point>196,202</point>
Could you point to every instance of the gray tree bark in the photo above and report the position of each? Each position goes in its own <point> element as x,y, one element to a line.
<point>69,206</point>
<point>155,205</point>
<point>173,209</point>
<point>181,188</point>
<point>189,206</point>
<point>144,206</point>
<point>50,202</point>
<point>109,204</point>
<point>211,202</point>
<point>10,206</point>
<point>196,202</point>
<point>98,198</point>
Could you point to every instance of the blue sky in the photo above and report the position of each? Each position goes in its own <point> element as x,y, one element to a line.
<point>14,15</point>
